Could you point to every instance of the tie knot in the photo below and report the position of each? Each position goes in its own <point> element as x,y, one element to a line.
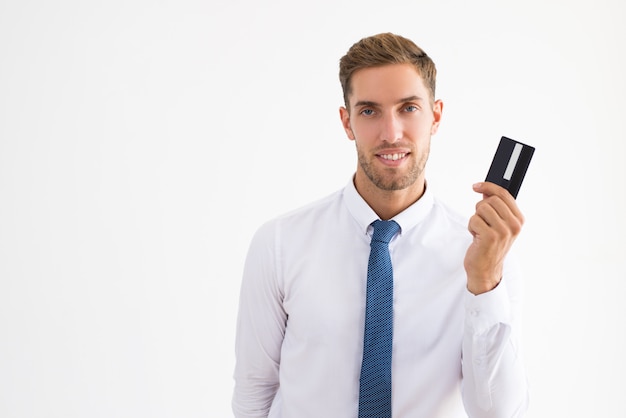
<point>384,231</point>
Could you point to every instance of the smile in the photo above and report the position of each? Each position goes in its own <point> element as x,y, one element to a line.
<point>393,157</point>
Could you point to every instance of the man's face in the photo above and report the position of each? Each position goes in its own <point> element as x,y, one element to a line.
<point>391,120</point>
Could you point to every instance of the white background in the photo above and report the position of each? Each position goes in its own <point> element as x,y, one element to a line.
<point>143,142</point>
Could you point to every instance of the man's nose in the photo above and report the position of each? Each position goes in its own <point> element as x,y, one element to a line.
<point>391,129</point>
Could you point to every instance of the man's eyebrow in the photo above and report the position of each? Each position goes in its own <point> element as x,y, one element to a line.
<point>361,103</point>
<point>410,99</point>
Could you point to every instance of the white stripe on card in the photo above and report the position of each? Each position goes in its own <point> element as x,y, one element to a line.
<point>513,161</point>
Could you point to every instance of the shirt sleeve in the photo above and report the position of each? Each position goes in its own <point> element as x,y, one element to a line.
<point>494,378</point>
<point>260,331</point>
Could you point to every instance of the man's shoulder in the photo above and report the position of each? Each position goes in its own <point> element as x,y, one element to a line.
<point>450,214</point>
<point>307,215</point>
<point>313,208</point>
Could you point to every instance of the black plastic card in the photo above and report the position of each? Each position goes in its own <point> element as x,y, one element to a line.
<point>510,164</point>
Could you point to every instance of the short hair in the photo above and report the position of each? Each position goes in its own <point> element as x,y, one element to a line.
<point>384,49</point>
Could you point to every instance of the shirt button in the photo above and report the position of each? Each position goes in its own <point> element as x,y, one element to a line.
<point>474,313</point>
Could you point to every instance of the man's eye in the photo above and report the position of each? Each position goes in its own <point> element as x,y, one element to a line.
<point>411,108</point>
<point>367,112</point>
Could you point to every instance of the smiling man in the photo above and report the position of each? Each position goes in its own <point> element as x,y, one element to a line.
<point>393,116</point>
<point>379,300</point>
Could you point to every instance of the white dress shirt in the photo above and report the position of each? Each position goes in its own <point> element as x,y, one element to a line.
<point>301,318</point>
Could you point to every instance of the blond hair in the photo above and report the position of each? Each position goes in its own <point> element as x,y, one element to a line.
<point>384,49</point>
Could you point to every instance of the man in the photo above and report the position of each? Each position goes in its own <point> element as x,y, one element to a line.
<point>453,337</point>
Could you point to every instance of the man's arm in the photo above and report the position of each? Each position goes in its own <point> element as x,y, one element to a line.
<point>494,379</point>
<point>260,329</point>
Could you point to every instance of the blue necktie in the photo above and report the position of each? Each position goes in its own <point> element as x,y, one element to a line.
<point>375,381</point>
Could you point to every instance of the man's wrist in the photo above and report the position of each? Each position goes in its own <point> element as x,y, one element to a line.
<point>478,287</point>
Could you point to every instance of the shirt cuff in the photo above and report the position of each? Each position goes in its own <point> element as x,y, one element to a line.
<point>484,311</point>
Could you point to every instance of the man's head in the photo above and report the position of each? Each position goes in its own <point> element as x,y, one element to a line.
<point>384,49</point>
<point>390,113</point>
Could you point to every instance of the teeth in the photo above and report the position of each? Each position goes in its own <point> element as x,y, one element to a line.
<point>393,157</point>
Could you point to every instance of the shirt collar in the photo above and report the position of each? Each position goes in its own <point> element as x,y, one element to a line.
<point>364,215</point>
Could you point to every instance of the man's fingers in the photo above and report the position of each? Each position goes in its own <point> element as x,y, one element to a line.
<point>490,190</point>
<point>497,214</point>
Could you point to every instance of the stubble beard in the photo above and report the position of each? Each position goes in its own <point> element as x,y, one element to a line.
<point>389,179</point>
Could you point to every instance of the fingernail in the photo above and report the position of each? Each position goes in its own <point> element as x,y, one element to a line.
<point>476,186</point>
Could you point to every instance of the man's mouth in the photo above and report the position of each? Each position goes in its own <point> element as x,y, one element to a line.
<point>393,157</point>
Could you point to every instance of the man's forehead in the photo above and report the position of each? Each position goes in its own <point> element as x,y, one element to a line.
<point>393,82</point>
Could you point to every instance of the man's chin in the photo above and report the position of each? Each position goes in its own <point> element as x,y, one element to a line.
<point>392,185</point>
<point>390,179</point>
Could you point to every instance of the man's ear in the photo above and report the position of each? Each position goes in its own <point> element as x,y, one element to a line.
<point>345,121</point>
<point>437,112</point>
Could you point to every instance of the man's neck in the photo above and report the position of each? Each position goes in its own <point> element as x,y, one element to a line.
<point>388,203</point>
